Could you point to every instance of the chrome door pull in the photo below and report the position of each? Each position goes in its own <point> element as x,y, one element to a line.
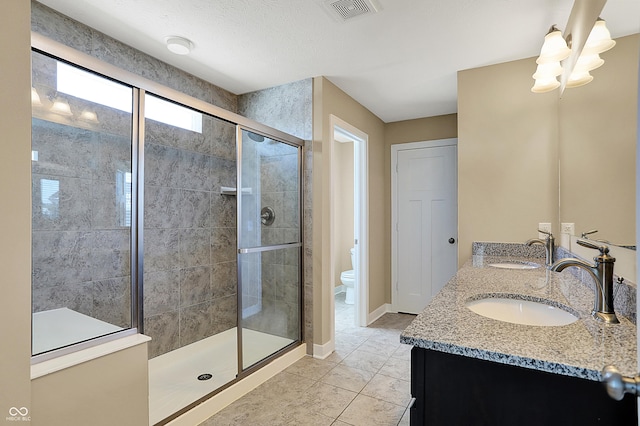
<point>617,384</point>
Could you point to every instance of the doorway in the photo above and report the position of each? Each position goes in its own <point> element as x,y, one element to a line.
<point>424,221</point>
<point>350,216</point>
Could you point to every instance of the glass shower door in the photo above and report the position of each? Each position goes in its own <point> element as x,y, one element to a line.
<point>269,242</point>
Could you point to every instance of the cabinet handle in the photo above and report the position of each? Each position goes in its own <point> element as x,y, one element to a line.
<point>452,240</point>
<point>617,384</point>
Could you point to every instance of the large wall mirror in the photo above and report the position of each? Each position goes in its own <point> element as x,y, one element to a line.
<point>597,151</point>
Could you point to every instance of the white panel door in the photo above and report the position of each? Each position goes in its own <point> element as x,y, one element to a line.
<point>426,224</point>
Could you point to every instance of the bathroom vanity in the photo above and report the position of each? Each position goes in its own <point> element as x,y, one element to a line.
<point>468,369</point>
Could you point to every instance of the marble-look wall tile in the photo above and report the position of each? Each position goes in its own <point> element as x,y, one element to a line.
<point>112,301</point>
<point>111,253</point>
<point>161,292</point>
<point>224,314</point>
<point>165,332</point>
<point>224,279</point>
<point>223,173</point>
<point>60,257</point>
<point>223,245</point>
<point>287,108</point>
<point>195,323</point>
<point>67,209</point>
<point>195,209</point>
<point>195,247</point>
<point>62,150</point>
<point>161,165</point>
<point>58,27</point>
<point>161,249</point>
<point>195,285</point>
<point>223,211</point>
<point>76,296</point>
<point>160,207</point>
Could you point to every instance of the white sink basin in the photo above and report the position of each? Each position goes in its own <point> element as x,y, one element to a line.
<point>520,311</point>
<point>515,265</point>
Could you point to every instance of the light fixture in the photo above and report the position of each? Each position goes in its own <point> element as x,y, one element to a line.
<point>35,98</point>
<point>555,49</point>
<point>179,45</point>
<point>545,77</point>
<point>599,39</point>
<point>89,116</point>
<point>589,62</point>
<point>579,78</point>
<point>61,107</point>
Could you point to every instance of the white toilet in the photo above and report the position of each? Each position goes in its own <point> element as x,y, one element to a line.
<point>348,278</point>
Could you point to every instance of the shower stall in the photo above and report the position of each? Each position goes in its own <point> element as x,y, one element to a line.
<point>157,213</point>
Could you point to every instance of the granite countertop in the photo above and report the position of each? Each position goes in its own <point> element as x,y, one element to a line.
<point>580,349</point>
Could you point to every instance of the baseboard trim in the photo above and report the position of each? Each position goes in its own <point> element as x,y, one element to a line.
<point>323,351</point>
<point>380,311</point>
<point>219,401</point>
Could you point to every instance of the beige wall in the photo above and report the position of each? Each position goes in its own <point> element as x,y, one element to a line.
<point>100,387</point>
<point>507,155</point>
<point>15,208</point>
<point>598,135</point>
<point>344,208</point>
<point>330,100</point>
<point>110,390</point>
<point>419,130</point>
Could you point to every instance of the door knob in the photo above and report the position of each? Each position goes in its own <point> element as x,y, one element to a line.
<point>452,240</point>
<point>617,384</point>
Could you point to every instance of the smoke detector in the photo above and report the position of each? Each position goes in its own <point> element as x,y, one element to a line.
<point>343,10</point>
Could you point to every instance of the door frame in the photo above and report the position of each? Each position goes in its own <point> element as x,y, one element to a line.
<point>395,149</point>
<point>361,219</point>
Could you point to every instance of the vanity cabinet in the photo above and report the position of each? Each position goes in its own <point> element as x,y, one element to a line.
<point>458,390</point>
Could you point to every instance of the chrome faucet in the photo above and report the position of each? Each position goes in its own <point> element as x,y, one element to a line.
<point>602,274</point>
<point>548,243</point>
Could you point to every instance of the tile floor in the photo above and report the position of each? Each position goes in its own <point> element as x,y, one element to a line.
<point>366,381</point>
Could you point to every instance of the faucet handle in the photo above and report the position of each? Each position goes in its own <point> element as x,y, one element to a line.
<point>547,233</point>
<point>584,234</point>
<point>603,249</point>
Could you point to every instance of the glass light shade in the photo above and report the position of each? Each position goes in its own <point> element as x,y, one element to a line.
<point>89,116</point>
<point>61,107</point>
<point>546,84</point>
<point>599,39</point>
<point>548,70</point>
<point>589,62</point>
<point>579,78</point>
<point>554,48</point>
<point>35,98</point>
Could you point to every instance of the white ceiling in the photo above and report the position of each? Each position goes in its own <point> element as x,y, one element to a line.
<point>400,63</point>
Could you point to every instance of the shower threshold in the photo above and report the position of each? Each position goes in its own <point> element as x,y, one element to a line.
<point>173,377</point>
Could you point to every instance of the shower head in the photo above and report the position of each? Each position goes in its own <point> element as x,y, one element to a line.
<point>256,137</point>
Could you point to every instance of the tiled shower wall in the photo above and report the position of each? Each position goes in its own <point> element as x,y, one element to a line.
<point>287,108</point>
<point>80,233</point>
<point>190,277</point>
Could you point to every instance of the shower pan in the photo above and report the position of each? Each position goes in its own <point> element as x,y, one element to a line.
<point>148,219</point>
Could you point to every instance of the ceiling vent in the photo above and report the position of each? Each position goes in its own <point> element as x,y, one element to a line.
<point>343,10</point>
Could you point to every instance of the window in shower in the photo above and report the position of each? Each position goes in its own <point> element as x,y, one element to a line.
<point>81,204</point>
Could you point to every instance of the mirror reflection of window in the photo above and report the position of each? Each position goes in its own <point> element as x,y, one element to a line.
<point>50,198</point>
<point>123,197</point>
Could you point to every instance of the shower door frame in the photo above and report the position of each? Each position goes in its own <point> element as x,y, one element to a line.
<point>243,372</point>
<point>141,86</point>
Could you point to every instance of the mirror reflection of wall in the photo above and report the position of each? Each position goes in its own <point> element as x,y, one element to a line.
<point>597,150</point>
